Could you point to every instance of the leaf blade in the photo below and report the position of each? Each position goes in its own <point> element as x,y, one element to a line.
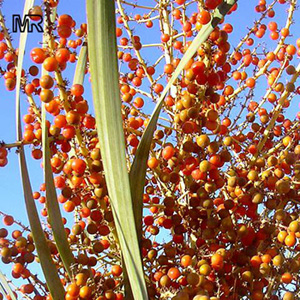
<point>4,287</point>
<point>81,65</point>
<point>49,269</point>
<point>55,217</point>
<point>102,52</point>
<point>22,44</point>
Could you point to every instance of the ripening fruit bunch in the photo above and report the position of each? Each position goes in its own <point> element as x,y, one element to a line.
<point>221,200</point>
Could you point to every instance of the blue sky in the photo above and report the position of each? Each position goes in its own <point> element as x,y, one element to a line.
<point>12,201</point>
<point>10,187</point>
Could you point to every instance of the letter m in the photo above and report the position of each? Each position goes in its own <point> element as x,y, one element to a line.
<point>18,24</point>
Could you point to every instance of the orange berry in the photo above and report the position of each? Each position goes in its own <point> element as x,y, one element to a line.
<point>46,82</point>
<point>18,268</point>
<point>78,165</point>
<point>50,64</point>
<point>64,31</point>
<point>168,68</point>
<point>85,292</point>
<point>73,290</point>
<point>116,270</point>
<point>291,50</point>
<point>69,206</point>
<point>286,278</point>
<point>286,141</point>
<point>290,240</point>
<point>250,82</point>
<point>38,55</point>
<point>62,55</point>
<point>77,90</point>
<point>28,135</point>
<point>186,261</point>
<point>46,95</point>
<point>153,163</point>
<point>65,20</point>
<point>284,32</point>
<point>255,261</point>
<point>168,152</point>
<point>272,26</point>
<point>217,261</point>
<point>281,236</point>
<point>173,273</point>
<point>203,17</point>
<point>266,258</point>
